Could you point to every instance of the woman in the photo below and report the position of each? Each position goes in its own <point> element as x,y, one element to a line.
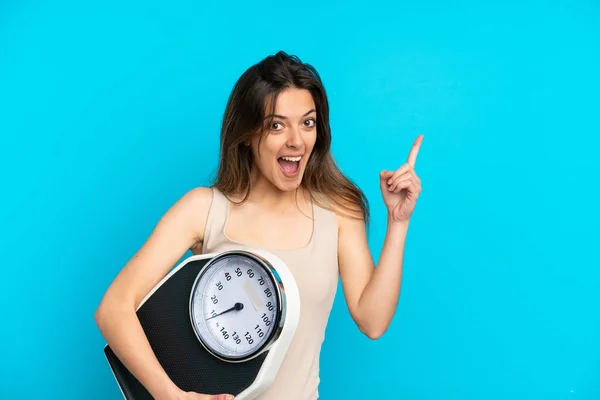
<point>277,188</point>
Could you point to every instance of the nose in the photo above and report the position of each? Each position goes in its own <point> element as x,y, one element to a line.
<point>295,139</point>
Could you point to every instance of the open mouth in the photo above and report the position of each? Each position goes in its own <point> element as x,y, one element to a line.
<point>289,165</point>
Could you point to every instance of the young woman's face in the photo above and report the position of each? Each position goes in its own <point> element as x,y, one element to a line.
<point>289,139</point>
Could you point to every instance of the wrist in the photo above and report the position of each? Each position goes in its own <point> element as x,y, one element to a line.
<point>394,223</point>
<point>396,231</point>
<point>168,391</point>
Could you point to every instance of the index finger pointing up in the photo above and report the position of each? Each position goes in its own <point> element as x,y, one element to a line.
<point>412,157</point>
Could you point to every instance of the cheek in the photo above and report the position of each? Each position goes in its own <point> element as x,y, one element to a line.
<point>265,151</point>
<point>311,140</point>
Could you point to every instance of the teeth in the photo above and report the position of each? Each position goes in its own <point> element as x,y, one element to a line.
<point>295,159</point>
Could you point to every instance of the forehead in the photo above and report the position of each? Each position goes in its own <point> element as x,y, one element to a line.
<point>292,102</point>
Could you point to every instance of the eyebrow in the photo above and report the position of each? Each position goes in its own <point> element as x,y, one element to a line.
<point>282,117</point>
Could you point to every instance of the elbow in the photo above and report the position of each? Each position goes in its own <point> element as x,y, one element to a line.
<point>373,332</point>
<point>107,310</point>
<point>101,315</point>
<point>372,326</point>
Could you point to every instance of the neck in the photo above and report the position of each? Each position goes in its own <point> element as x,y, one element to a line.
<point>264,192</point>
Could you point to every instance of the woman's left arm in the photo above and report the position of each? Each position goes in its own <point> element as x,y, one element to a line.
<point>372,293</point>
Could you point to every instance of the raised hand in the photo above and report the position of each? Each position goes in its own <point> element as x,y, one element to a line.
<point>401,188</point>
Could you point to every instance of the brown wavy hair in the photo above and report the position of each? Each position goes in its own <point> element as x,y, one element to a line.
<point>244,116</point>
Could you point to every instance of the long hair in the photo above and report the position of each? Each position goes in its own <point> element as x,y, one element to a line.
<point>243,120</point>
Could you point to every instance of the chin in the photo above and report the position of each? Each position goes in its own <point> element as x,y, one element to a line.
<point>289,186</point>
<point>287,183</point>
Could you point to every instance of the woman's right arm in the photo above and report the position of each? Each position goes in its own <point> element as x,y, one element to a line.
<point>178,230</point>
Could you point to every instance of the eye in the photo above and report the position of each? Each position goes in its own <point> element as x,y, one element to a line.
<point>309,123</point>
<point>276,126</point>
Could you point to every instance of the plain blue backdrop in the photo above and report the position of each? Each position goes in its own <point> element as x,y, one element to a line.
<point>110,111</point>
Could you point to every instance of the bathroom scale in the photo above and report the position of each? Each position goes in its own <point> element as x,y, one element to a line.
<point>218,323</point>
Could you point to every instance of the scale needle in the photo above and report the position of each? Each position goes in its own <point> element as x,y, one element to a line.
<point>236,307</point>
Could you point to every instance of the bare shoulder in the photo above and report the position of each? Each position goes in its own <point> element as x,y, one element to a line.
<point>348,215</point>
<point>198,197</point>
<point>195,206</point>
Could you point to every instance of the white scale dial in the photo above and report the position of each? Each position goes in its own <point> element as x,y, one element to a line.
<point>234,307</point>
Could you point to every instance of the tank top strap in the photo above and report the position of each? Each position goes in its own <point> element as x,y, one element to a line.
<point>325,230</point>
<point>216,219</point>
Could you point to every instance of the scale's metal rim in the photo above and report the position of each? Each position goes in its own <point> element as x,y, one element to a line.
<point>280,314</point>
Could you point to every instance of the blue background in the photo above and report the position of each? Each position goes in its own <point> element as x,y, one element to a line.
<point>110,112</point>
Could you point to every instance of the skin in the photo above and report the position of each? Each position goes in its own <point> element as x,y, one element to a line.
<point>371,293</point>
<point>272,200</point>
